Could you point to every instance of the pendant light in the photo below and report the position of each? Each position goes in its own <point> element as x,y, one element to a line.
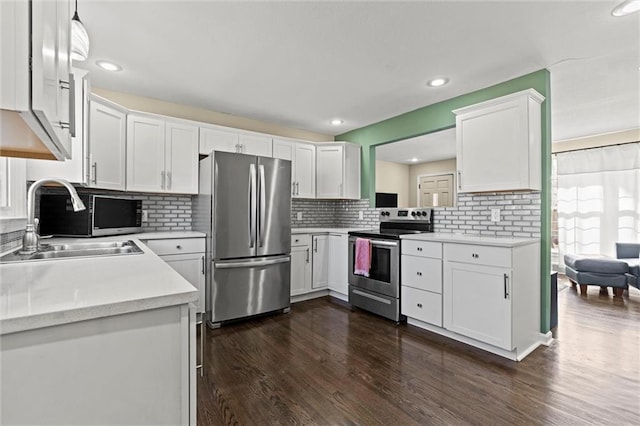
<point>79,38</point>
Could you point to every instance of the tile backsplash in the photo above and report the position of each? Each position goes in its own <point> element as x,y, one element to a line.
<point>519,214</point>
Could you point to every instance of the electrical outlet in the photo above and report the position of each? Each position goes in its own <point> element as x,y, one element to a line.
<point>145,215</point>
<point>299,216</point>
<point>495,215</point>
<point>360,215</point>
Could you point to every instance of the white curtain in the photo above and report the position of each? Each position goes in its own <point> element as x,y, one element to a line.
<point>598,199</point>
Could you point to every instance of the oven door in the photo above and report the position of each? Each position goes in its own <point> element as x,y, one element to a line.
<point>384,275</point>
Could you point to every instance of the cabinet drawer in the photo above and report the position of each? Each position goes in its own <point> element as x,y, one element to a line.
<point>176,246</point>
<point>478,255</point>
<point>422,248</point>
<point>421,273</point>
<point>421,305</point>
<point>300,240</point>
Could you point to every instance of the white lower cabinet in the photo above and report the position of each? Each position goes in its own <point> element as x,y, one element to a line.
<point>133,368</point>
<point>477,302</point>
<point>319,264</point>
<point>320,274</point>
<point>187,257</point>
<point>300,264</point>
<point>487,296</point>
<point>338,263</point>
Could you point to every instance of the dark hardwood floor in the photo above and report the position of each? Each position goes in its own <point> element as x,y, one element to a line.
<point>326,364</point>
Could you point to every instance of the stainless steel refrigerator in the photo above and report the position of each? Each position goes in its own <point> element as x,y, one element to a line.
<point>244,207</point>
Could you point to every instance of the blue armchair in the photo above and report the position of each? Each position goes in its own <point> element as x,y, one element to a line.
<point>630,253</point>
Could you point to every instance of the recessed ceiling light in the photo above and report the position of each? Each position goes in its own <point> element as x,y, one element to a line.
<point>437,82</point>
<point>336,122</point>
<point>414,159</point>
<point>626,7</point>
<point>109,66</point>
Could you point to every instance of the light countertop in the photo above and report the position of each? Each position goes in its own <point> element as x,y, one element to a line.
<point>324,230</point>
<point>444,237</point>
<point>38,294</point>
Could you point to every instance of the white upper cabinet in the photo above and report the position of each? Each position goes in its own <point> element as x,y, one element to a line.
<point>256,145</point>
<point>76,168</point>
<point>162,156</point>
<point>212,139</point>
<point>338,170</point>
<point>499,143</point>
<point>181,158</point>
<point>35,83</point>
<point>303,166</point>
<point>106,145</point>
<point>217,139</point>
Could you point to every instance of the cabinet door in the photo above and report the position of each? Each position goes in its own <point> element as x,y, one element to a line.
<point>107,129</point>
<point>45,86</point>
<point>181,158</point>
<point>320,261</point>
<point>300,270</point>
<point>329,172</point>
<point>305,171</point>
<point>338,263</point>
<point>256,145</point>
<point>191,268</point>
<point>285,150</point>
<point>477,302</point>
<point>217,140</point>
<point>145,154</point>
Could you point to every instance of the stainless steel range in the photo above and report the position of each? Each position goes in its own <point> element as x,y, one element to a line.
<point>380,291</point>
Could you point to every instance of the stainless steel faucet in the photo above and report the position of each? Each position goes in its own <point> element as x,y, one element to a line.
<point>30,239</point>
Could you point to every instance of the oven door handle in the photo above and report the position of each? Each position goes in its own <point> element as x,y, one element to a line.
<point>384,243</point>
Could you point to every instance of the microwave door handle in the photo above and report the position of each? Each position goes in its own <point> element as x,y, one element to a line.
<point>262,203</point>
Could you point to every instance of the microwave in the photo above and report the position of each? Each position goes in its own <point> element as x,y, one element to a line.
<point>103,215</point>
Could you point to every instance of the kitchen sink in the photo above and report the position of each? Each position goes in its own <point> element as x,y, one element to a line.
<point>73,250</point>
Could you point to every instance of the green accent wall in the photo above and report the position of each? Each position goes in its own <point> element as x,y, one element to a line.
<point>436,117</point>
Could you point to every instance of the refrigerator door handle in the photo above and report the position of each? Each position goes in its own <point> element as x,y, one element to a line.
<point>252,263</point>
<point>252,205</point>
<point>262,202</point>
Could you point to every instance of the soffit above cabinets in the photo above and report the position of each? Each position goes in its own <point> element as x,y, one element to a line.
<point>301,64</point>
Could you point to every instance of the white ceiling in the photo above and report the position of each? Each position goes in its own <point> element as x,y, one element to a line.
<point>300,64</point>
<point>432,147</point>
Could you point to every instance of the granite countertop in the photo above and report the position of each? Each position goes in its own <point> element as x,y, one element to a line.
<point>38,294</point>
<point>443,237</point>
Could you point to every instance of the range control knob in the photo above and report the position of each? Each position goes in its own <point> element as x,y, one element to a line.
<point>413,213</point>
<point>424,213</point>
<point>387,213</point>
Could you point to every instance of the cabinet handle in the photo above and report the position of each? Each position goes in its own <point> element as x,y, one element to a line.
<point>72,105</point>
<point>168,180</point>
<point>94,167</point>
<point>307,255</point>
<point>506,288</point>
<point>419,274</point>
<point>297,188</point>
<point>64,85</point>
<point>293,188</point>
<point>162,178</point>
<point>179,247</point>
<point>475,255</point>
<point>459,179</point>
<point>419,248</point>
<point>315,245</point>
<point>202,265</point>
<point>419,305</point>
<point>64,124</point>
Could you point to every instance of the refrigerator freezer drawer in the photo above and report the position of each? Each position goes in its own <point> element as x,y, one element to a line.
<point>245,287</point>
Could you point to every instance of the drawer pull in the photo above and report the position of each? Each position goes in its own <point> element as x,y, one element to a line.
<point>419,305</point>
<point>179,247</point>
<point>506,288</point>
<point>475,255</point>
<point>419,274</point>
<point>419,248</point>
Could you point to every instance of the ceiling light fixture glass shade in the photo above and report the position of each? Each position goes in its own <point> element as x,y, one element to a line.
<point>626,7</point>
<point>79,38</point>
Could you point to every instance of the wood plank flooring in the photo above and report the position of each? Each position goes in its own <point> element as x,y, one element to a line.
<point>326,364</point>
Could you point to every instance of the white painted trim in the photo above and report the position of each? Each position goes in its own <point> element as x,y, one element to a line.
<point>311,295</point>
<point>339,295</point>
<point>546,338</point>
